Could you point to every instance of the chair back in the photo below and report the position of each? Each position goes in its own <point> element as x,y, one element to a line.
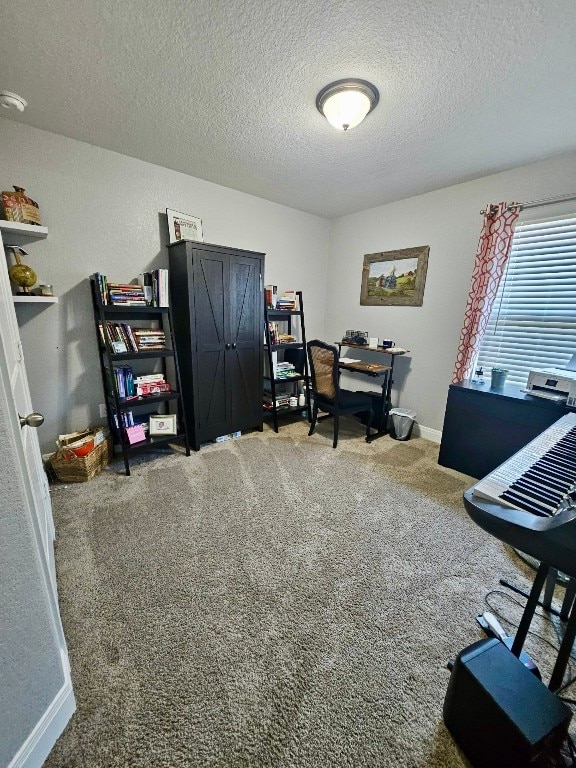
<point>324,369</point>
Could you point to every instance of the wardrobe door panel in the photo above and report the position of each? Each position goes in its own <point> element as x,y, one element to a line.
<point>212,406</point>
<point>244,359</point>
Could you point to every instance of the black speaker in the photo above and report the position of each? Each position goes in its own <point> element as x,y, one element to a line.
<point>499,713</point>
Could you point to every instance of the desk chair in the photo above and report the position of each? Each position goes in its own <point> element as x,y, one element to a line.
<point>326,388</point>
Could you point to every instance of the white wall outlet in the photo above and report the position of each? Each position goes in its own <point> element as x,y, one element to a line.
<point>103,411</point>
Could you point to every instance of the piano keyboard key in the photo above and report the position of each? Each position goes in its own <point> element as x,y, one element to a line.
<point>538,477</point>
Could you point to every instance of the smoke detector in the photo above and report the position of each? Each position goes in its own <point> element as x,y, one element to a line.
<point>12,101</point>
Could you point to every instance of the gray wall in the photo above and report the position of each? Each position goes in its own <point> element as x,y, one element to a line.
<point>30,663</point>
<point>449,222</point>
<point>106,212</point>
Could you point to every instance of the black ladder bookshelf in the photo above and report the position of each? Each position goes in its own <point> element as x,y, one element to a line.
<point>294,352</point>
<point>115,404</point>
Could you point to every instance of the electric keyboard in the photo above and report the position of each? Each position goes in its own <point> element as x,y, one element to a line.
<point>541,477</point>
<point>529,501</point>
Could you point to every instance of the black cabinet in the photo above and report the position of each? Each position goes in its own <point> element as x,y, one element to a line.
<point>483,427</point>
<point>217,305</point>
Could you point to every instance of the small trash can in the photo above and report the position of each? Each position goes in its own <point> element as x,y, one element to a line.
<point>402,422</point>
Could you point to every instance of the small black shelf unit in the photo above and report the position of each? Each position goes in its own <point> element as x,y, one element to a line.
<point>275,384</point>
<point>115,405</point>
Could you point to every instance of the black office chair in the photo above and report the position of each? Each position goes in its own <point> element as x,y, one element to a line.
<point>326,388</point>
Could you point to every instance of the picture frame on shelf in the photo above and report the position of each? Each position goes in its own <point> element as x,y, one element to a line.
<point>162,425</point>
<point>182,226</point>
<point>395,278</point>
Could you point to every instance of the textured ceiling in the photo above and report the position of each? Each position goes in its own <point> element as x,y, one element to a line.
<point>225,91</point>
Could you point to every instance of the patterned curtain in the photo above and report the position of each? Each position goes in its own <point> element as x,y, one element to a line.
<point>491,257</point>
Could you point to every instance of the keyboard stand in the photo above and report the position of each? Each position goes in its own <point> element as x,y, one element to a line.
<point>568,609</point>
<point>551,580</point>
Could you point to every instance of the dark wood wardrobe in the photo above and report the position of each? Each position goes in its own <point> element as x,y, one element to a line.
<point>217,304</point>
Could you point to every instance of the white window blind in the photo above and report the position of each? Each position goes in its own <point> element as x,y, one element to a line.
<point>533,320</point>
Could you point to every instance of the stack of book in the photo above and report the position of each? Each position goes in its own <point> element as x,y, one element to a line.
<point>151,384</point>
<point>148,339</point>
<point>284,371</point>
<point>287,301</point>
<point>126,295</point>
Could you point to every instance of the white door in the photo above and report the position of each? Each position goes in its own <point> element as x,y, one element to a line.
<point>35,474</point>
<point>37,731</point>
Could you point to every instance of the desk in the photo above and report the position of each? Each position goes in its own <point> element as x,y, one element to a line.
<point>374,370</point>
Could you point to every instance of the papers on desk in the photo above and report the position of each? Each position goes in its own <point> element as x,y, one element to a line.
<point>349,360</point>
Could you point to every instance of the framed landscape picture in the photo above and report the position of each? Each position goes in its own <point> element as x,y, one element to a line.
<point>181,226</point>
<point>394,278</point>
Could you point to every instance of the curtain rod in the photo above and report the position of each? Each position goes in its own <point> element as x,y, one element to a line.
<point>538,203</point>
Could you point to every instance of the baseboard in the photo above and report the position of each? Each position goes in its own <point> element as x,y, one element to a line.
<point>39,743</point>
<point>434,435</point>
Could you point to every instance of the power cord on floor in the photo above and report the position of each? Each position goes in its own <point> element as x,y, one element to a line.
<point>500,615</point>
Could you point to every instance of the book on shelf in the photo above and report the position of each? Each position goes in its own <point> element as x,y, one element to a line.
<point>145,280</point>
<point>121,337</point>
<point>270,295</point>
<point>155,285</point>
<point>148,339</point>
<point>123,377</point>
<point>126,295</point>
<point>151,384</point>
<point>287,302</point>
<point>282,399</point>
<point>127,419</point>
<point>285,371</point>
<point>280,369</point>
<point>148,377</point>
<point>101,286</point>
<point>273,332</point>
<point>151,290</point>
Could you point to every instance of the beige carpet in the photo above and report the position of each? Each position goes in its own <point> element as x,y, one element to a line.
<point>272,602</point>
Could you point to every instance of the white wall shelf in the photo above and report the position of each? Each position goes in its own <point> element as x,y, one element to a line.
<point>27,230</point>
<point>35,299</point>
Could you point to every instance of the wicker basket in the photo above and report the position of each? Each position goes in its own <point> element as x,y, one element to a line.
<point>78,469</point>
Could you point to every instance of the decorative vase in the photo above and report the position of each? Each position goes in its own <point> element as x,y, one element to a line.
<point>20,273</point>
<point>19,207</point>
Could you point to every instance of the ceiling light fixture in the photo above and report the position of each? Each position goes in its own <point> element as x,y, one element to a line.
<point>346,103</point>
<point>12,101</point>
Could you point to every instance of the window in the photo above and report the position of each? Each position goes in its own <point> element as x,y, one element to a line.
<point>533,320</point>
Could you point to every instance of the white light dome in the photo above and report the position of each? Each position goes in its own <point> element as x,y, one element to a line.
<point>346,103</point>
<point>10,100</point>
<point>346,109</point>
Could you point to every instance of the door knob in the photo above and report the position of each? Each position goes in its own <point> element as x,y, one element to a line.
<point>227,346</point>
<point>234,346</point>
<point>32,420</point>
